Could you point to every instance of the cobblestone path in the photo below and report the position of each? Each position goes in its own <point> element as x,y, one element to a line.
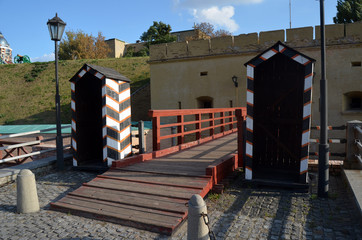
<point>254,213</point>
<point>242,212</point>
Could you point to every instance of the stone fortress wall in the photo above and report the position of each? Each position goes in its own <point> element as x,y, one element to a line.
<point>296,37</point>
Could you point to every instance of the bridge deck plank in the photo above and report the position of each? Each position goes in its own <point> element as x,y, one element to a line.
<point>150,195</point>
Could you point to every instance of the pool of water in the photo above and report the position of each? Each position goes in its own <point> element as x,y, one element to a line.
<point>10,129</point>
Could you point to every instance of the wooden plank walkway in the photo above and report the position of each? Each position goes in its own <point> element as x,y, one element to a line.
<point>150,195</point>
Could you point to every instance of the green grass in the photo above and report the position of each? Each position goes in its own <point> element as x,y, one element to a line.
<point>314,197</point>
<point>213,196</point>
<point>27,90</point>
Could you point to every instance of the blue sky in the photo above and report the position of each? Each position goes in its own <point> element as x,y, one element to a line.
<point>23,23</point>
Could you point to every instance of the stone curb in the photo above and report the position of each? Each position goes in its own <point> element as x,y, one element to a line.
<point>9,174</point>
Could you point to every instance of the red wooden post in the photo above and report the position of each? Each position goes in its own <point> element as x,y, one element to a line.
<point>231,120</point>
<point>240,119</point>
<point>211,116</point>
<point>222,121</point>
<point>198,125</point>
<point>156,133</point>
<point>18,154</point>
<point>180,129</point>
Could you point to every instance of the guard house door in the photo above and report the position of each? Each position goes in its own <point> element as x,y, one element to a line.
<point>278,118</point>
<point>88,99</point>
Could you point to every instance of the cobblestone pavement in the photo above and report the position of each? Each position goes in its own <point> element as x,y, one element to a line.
<point>241,212</point>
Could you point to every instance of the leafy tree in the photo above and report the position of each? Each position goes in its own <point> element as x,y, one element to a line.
<point>132,53</point>
<point>208,30</point>
<point>79,45</point>
<point>348,11</point>
<point>101,47</point>
<point>159,32</point>
<point>222,33</point>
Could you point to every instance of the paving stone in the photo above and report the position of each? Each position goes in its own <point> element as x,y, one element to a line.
<point>239,213</point>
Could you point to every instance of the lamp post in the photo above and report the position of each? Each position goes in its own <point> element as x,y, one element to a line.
<point>323,161</point>
<point>235,80</point>
<point>56,28</point>
<point>236,84</point>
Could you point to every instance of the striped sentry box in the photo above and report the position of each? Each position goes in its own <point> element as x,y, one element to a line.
<point>116,113</point>
<point>280,48</point>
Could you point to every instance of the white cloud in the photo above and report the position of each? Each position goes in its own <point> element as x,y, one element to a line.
<point>199,4</point>
<point>44,58</point>
<point>217,12</point>
<point>220,17</point>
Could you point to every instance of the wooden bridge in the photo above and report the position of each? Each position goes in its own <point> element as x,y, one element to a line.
<point>150,191</point>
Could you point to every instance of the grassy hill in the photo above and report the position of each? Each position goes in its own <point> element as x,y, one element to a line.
<point>27,91</point>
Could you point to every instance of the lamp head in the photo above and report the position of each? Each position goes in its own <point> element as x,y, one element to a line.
<point>56,28</point>
<point>235,80</point>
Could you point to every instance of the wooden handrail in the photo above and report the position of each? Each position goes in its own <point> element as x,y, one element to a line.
<point>225,116</point>
<point>176,112</point>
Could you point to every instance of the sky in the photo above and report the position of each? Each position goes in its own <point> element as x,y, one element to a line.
<point>23,22</point>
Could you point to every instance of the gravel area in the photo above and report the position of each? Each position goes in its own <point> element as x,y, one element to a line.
<point>242,212</point>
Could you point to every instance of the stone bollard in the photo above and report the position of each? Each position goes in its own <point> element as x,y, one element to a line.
<point>27,197</point>
<point>196,227</point>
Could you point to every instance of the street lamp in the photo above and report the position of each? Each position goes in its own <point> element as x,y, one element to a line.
<point>323,161</point>
<point>235,80</point>
<point>56,28</point>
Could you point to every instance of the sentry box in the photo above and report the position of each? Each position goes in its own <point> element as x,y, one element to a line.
<point>279,92</point>
<point>101,116</point>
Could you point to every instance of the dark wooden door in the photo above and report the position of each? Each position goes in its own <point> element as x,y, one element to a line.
<point>278,116</point>
<point>88,97</point>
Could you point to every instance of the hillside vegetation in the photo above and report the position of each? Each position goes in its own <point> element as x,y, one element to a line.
<point>27,91</point>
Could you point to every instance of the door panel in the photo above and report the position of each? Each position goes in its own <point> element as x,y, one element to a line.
<point>278,116</point>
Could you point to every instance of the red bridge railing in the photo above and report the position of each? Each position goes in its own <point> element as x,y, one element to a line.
<point>193,124</point>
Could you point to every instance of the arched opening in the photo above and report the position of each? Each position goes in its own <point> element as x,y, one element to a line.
<point>353,101</point>
<point>205,102</point>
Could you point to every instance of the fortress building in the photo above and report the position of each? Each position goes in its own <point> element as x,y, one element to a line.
<point>5,50</point>
<point>202,73</point>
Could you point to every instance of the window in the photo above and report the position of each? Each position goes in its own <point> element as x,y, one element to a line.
<point>356,64</point>
<point>203,73</point>
<point>353,101</point>
<point>205,102</point>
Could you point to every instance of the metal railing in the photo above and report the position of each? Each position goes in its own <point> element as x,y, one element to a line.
<point>141,146</point>
<point>10,147</point>
<point>330,140</point>
<point>358,142</point>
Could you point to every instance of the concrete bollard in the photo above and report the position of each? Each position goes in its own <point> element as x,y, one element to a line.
<point>27,196</point>
<point>196,227</point>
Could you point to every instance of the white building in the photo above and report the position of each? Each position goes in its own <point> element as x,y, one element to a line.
<point>5,50</point>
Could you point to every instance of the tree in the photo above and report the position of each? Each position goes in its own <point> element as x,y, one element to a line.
<point>131,52</point>
<point>101,47</point>
<point>79,45</point>
<point>208,31</point>
<point>222,33</point>
<point>206,28</point>
<point>159,32</point>
<point>348,11</point>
